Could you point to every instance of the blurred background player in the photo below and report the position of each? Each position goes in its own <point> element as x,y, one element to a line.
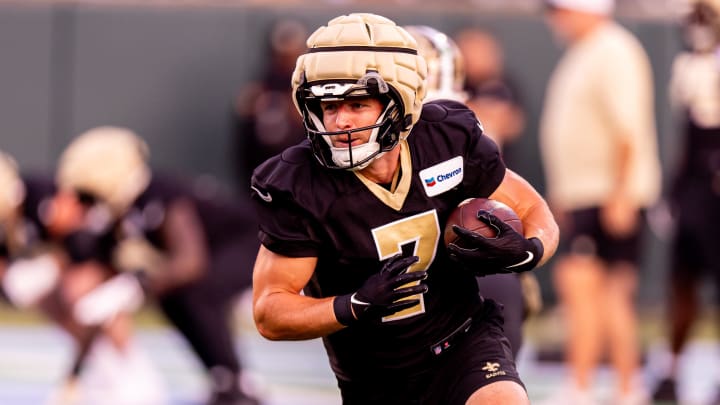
<point>445,80</point>
<point>489,90</point>
<point>599,149</point>
<point>37,274</point>
<point>180,242</point>
<point>695,191</point>
<point>265,119</point>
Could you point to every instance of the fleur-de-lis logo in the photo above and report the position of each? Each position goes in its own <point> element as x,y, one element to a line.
<point>491,367</point>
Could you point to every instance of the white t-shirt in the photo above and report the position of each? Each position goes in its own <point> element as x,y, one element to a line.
<point>599,97</point>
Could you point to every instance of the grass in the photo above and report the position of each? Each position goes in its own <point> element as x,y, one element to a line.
<point>146,318</point>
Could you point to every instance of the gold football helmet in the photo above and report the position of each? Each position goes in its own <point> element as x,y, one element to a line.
<point>108,163</point>
<point>446,73</point>
<point>359,55</point>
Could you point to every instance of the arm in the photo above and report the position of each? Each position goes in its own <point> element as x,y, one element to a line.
<point>620,215</point>
<point>532,209</point>
<point>279,309</point>
<point>628,111</point>
<point>281,312</point>
<point>509,251</point>
<point>187,251</point>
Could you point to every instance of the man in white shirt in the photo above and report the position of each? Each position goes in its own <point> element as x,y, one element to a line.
<point>599,149</point>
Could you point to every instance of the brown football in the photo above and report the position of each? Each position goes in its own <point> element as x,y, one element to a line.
<point>465,215</point>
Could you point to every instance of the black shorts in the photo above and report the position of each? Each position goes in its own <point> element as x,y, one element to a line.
<point>586,236</point>
<point>479,357</point>
<point>506,290</point>
<point>696,243</point>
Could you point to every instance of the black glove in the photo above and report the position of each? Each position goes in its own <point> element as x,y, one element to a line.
<point>507,252</point>
<point>380,295</point>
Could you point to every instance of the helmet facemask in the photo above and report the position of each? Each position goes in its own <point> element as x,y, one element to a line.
<point>385,133</point>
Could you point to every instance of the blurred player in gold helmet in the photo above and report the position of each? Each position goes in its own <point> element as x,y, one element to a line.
<point>446,69</point>
<point>17,242</point>
<point>36,273</point>
<point>191,251</point>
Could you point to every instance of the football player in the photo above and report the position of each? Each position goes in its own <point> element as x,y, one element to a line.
<point>695,191</point>
<point>37,272</point>
<point>519,292</point>
<point>23,230</point>
<point>351,220</point>
<point>183,243</point>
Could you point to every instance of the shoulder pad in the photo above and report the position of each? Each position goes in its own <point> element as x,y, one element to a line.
<point>285,172</point>
<point>297,154</point>
<point>433,112</point>
<point>437,110</point>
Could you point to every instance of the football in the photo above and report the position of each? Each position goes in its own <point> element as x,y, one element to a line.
<point>465,215</point>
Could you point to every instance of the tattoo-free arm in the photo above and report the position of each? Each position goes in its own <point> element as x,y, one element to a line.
<point>532,209</point>
<point>280,311</point>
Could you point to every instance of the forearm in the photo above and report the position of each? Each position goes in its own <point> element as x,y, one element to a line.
<point>534,212</point>
<point>538,222</point>
<point>623,171</point>
<point>280,310</point>
<point>176,274</point>
<point>187,255</point>
<point>283,315</point>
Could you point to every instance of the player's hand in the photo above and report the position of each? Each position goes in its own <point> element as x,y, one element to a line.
<point>384,293</point>
<point>28,280</point>
<point>507,252</point>
<point>122,293</point>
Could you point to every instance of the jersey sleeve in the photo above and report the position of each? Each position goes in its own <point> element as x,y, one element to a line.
<point>450,128</point>
<point>285,227</point>
<point>484,166</point>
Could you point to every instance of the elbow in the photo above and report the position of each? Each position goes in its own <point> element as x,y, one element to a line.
<point>264,322</point>
<point>550,239</point>
<point>265,331</point>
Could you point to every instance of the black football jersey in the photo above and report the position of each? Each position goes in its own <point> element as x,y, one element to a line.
<point>351,224</point>
<point>702,151</point>
<point>224,217</point>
